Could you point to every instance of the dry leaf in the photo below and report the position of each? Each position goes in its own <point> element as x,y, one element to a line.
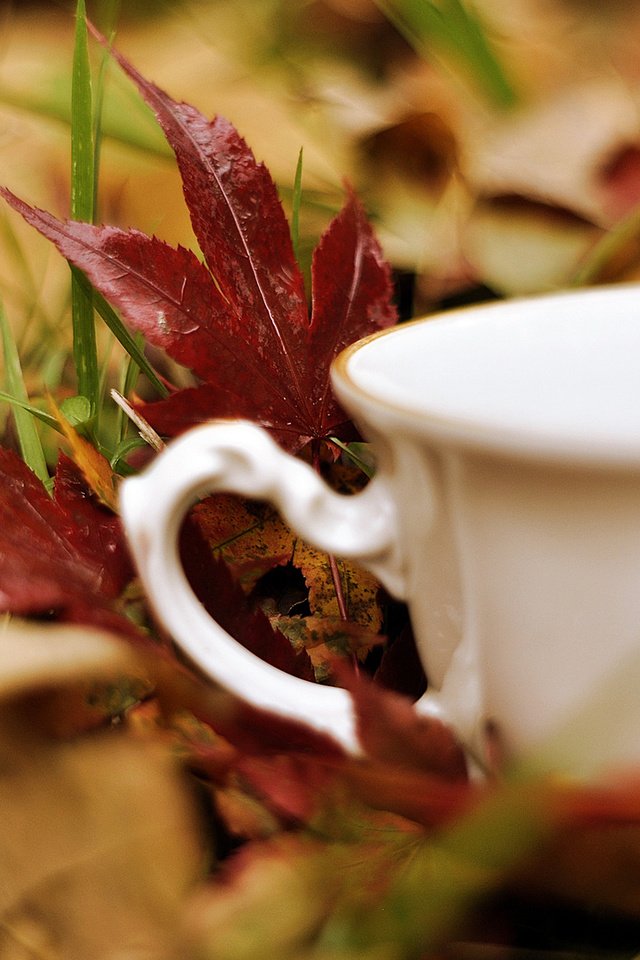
<point>98,843</point>
<point>326,639</point>
<point>250,537</point>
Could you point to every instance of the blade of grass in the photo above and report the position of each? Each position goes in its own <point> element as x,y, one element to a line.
<point>28,439</point>
<point>125,120</point>
<point>111,11</point>
<point>82,208</point>
<point>45,418</point>
<point>354,451</point>
<point>606,250</point>
<point>130,374</point>
<point>451,29</point>
<point>295,211</point>
<point>123,336</point>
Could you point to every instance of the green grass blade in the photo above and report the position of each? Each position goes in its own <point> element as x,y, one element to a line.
<point>358,454</point>
<point>295,210</point>
<point>125,120</point>
<point>28,439</point>
<point>130,374</point>
<point>111,12</point>
<point>125,339</point>
<point>605,251</point>
<point>82,208</point>
<point>452,30</point>
<point>45,418</point>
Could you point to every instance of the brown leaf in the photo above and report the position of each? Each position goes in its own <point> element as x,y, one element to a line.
<point>250,537</point>
<point>327,639</point>
<point>98,842</point>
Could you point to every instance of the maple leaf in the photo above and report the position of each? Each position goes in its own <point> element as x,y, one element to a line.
<point>239,320</point>
<point>64,555</point>
<point>224,599</point>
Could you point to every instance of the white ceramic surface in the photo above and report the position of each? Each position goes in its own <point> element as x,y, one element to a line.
<point>505,509</point>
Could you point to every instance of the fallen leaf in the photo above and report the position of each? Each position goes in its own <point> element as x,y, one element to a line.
<point>98,826</point>
<point>327,640</point>
<point>94,466</point>
<point>286,889</point>
<point>239,320</point>
<point>224,599</point>
<point>391,730</point>
<point>359,588</point>
<point>250,537</point>
<point>36,656</point>
<point>58,554</point>
<point>94,531</point>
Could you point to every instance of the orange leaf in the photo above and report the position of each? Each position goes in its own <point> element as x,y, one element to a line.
<point>250,537</point>
<point>95,468</point>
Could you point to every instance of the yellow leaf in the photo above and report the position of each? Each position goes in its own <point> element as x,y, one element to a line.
<point>250,537</point>
<point>360,589</point>
<point>326,640</point>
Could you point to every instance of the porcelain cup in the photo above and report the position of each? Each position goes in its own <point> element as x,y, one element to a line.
<point>505,510</point>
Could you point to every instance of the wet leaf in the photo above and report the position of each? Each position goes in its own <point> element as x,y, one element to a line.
<point>64,556</point>
<point>239,320</point>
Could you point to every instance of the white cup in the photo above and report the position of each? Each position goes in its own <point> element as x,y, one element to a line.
<point>505,510</point>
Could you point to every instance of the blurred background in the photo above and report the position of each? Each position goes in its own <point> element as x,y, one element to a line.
<point>496,146</point>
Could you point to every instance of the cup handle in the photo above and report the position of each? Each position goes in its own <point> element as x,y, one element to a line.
<point>239,457</point>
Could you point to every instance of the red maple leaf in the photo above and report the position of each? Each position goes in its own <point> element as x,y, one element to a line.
<point>63,555</point>
<point>239,320</point>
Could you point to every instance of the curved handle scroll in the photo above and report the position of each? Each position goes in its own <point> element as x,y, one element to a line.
<point>241,458</point>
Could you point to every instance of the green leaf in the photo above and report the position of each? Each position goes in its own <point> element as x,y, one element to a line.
<point>28,439</point>
<point>77,410</point>
<point>82,208</point>
<point>451,29</point>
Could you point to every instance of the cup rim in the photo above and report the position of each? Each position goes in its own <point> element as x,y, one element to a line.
<point>448,430</point>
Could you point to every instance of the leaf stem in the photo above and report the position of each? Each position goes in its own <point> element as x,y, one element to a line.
<point>337,582</point>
